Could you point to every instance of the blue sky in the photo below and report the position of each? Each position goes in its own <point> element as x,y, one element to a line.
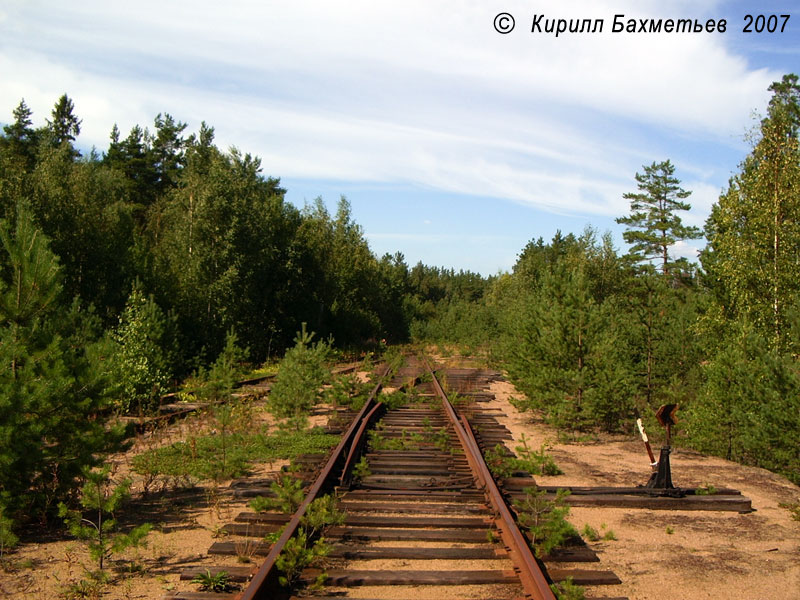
<point>455,145</point>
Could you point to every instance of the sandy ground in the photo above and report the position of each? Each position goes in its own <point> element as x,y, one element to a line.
<point>187,521</point>
<point>676,555</point>
<point>664,555</point>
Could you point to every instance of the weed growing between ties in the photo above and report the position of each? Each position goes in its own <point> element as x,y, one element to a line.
<point>361,469</point>
<point>245,550</point>
<point>567,590</point>
<point>288,496</point>
<point>406,441</point>
<point>545,520</point>
<point>308,547</point>
<point>395,399</point>
<point>217,582</point>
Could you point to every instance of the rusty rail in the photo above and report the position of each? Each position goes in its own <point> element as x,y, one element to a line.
<point>533,580</point>
<point>358,444</point>
<point>264,583</point>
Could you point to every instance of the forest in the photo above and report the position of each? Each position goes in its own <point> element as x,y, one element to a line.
<point>124,271</point>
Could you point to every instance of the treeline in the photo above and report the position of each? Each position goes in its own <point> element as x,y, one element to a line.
<point>200,230</point>
<point>595,337</point>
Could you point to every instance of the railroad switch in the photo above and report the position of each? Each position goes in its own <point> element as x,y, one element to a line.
<point>661,479</point>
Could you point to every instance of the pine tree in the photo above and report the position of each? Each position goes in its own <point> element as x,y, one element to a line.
<point>20,137</point>
<point>301,374</point>
<point>567,353</point>
<point>653,225</point>
<point>749,408</point>
<point>65,126</point>
<point>53,388</point>
<point>102,498</point>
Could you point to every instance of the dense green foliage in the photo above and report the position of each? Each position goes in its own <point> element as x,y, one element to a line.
<point>209,238</point>
<point>751,327</point>
<point>125,269</point>
<point>142,361</point>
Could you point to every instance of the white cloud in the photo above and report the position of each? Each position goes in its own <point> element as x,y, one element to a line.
<point>684,249</point>
<point>703,196</point>
<point>423,93</point>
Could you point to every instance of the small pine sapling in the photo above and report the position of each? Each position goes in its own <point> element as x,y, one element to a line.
<point>361,469</point>
<point>217,383</point>
<point>300,553</point>
<point>567,590</point>
<point>308,548</point>
<point>101,498</point>
<point>288,496</point>
<point>544,520</point>
<point>536,462</point>
<point>590,533</point>
<point>322,513</point>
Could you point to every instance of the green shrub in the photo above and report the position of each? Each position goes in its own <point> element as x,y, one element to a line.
<point>288,496</point>
<point>301,375</point>
<point>142,360</point>
<point>536,462</point>
<point>544,519</point>
<point>590,533</point>
<point>347,390</point>
<point>361,469</point>
<point>306,548</point>
<point>567,590</point>
<point>7,538</point>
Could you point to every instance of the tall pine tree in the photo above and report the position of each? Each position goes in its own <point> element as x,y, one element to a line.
<point>654,225</point>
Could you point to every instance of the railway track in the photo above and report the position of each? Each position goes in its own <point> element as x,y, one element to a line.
<point>424,519</point>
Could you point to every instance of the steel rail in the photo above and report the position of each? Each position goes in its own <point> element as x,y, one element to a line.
<point>264,583</point>
<point>534,583</point>
<point>357,444</point>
